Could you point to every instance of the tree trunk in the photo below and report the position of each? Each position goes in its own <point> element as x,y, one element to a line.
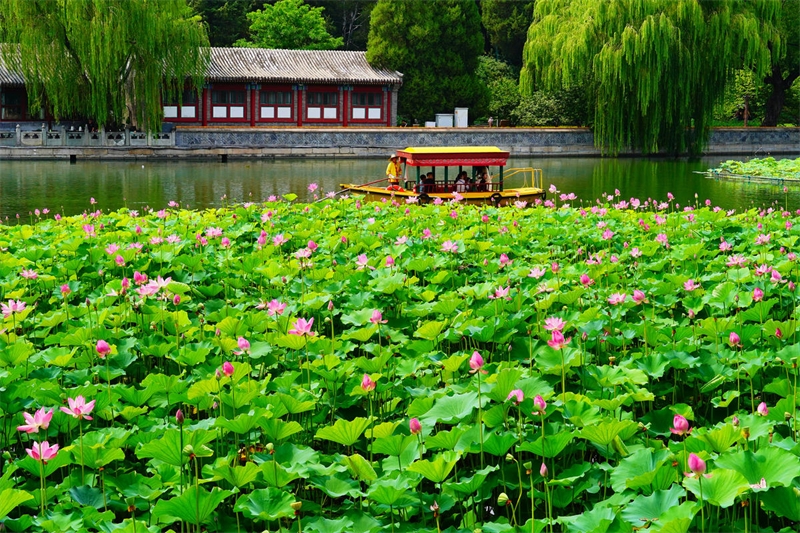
<point>774,104</point>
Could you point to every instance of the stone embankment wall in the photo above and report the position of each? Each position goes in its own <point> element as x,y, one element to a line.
<point>245,142</point>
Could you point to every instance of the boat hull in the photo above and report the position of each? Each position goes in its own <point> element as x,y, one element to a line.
<point>496,198</point>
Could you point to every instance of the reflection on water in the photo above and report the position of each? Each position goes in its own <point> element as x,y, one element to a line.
<point>59,186</point>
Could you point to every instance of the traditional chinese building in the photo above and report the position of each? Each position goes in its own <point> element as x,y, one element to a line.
<point>261,87</point>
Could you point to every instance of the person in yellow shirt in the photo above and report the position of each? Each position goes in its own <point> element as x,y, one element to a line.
<point>393,172</point>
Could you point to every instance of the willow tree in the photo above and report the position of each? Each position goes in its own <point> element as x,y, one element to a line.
<point>107,60</point>
<point>656,68</point>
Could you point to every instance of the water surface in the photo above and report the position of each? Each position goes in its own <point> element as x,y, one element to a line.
<point>64,187</point>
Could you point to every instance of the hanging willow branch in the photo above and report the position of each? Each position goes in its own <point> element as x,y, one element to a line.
<point>110,60</point>
<point>656,67</point>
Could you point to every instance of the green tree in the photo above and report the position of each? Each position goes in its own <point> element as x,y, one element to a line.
<point>501,80</point>
<point>655,68</point>
<point>436,45</point>
<point>104,59</point>
<point>506,22</point>
<point>226,19</point>
<point>289,24</point>
<point>348,19</point>
<point>785,65</point>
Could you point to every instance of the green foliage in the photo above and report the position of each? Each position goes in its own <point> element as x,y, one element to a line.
<point>289,24</point>
<point>506,22</point>
<point>104,59</point>
<point>501,80</point>
<point>766,167</point>
<point>656,68</point>
<point>436,46</point>
<point>226,19</point>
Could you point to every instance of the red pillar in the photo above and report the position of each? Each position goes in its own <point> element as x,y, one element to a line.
<point>205,106</point>
<point>345,105</point>
<point>253,94</point>
<point>301,104</point>
<point>389,107</point>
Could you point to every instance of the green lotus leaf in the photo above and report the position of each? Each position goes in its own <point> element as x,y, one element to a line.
<point>393,492</point>
<point>721,438</point>
<point>87,496</point>
<point>606,431</point>
<point>638,470</point>
<point>168,447</point>
<point>243,423</point>
<point>275,475</point>
<point>472,483</point>
<point>195,505</point>
<point>392,445</point>
<point>266,504</point>
<point>506,380</point>
<point>10,499</point>
<point>649,508</point>
<point>444,440</point>
<point>776,466</point>
<point>721,489</point>
<point>451,409</point>
<point>336,486</point>
<point>597,520</point>
<point>783,501</point>
<point>277,430</point>
<point>324,525</point>
<point>430,330</point>
<point>294,405</point>
<point>238,476</point>
<point>438,469</point>
<point>497,443</point>
<point>344,432</point>
<point>550,447</point>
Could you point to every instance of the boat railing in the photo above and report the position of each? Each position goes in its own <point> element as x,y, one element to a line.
<point>535,174</point>
<point>449,187</point>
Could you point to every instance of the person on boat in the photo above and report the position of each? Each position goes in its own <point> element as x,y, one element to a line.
<point>461,182</point>
<point>480,185</point>
<point>428,183</point>
<point>393,172</point>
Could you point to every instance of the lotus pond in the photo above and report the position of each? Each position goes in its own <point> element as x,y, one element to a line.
<point>338,367</point>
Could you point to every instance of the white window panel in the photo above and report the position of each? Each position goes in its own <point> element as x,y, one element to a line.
<point>330,112</point>
<point>220,112</point>
<point>314,112</point>
<point>267,112</point>
<point>359,113</point>
<point>170,111</point>
<point>237,112</point>
<point>188,111</point>
<point>375,113</point>
<point>284,112</point>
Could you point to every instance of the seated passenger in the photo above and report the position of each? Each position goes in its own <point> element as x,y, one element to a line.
<point>428,183</point>
<point>461,183</point>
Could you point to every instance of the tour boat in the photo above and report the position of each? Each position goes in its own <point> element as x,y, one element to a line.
<point>447,164</point>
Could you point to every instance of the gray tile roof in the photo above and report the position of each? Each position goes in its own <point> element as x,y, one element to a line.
<point>9,77</point>
<point>300,66</point>
<point>279,66</point>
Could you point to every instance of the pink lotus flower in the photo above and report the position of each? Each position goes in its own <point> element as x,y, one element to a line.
<point>102,348</point>
<point>696,465</point>
<point>500,293</point>
<point>607,234</point>
<point>65,290</point>
<point>476,363</point>
<point>680,426</point>
<point>543,470</point>
<point>262,238</point>
<point>389,261</point>
<point>227,368</point>
<point>762,409</point>
<point>139,279</point>
<point>312,187</point>
<point>367,384</point>
<point>539,405</point>
<point>450,246</point>
<point>775,277</point>
<point>244,344</point>
<point>537,272</point>
<point>29,274</point>
<point>617,298</point>
<point>312,246</point>
<point>778,333</point>
<point>274,307</point>
<point>763,239</point>
<point>734,339</point>
<point>302,327</point>
<point>639,296</point>
<point>555,267</point>
<point>758,294</point>
<point>426,233</point>
<point>415,426</point>
<point>377,317</point>
<point>40,419</point>
<point>78,408</point>
<point>557,341</point>
<point>724,246</point>
<point>361,262</point>
<point>586,281</point>
<point>517,395</point>
<point>554,323</point>
<point>762,269</point>
<point>14,306</point>
<point>690,285</point>
<point>736,261</point>
<point>504,260</point>
<point>278,239</point>
<point>42,451</point>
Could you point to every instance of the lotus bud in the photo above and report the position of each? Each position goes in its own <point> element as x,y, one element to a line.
<point>787,416</point>
<point>188,450</point>
<point>539,405</point>
<point>502,499</point>
<point>176,299</point>
<point>227,368</point>
<point>762,409</point>
<point>415,426</point>
<point>735,421</point>
<point>179,418</point>
<point>103,349</point>
<point>543,470</point>
<point>509,458</point>
<point>270,448</point>
<point>746,433</point>
<point>218,374</point>
<point>330,305</point>
<point>296,505</point>
<point>696,465</point>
